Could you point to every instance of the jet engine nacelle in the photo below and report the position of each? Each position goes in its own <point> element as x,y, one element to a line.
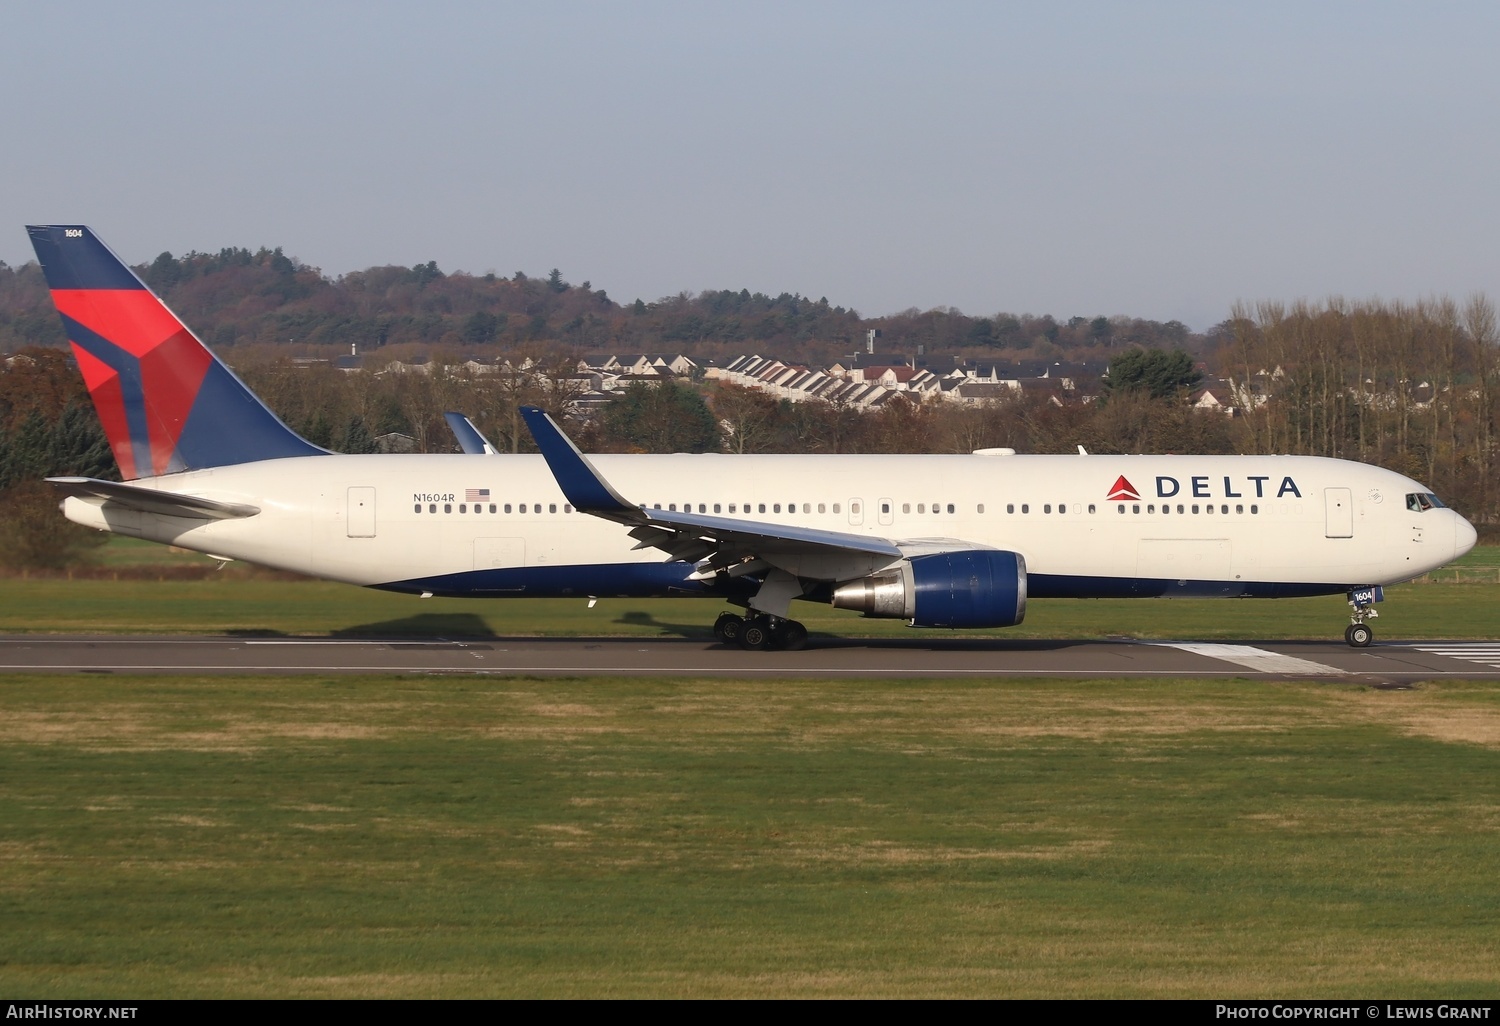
<point>972,588</point>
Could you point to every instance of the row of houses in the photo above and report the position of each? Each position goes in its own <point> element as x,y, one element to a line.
<point>597,377</point>
<point>876,384</point>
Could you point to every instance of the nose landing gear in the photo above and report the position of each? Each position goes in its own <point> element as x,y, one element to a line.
<point>1362,600</point>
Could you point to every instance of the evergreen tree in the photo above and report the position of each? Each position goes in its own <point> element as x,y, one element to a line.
<point>661,418</point>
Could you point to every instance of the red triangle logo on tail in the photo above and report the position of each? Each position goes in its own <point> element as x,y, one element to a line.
<point>1123,490</point>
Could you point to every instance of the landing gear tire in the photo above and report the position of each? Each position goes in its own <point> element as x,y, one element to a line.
<point>755,636</point>
<point>794,636</point>
<point>1358,635</point>
<point>727,628</point>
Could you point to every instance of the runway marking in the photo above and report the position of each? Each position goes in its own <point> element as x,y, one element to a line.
<point>1485,653</point>
<point>1258,659</point>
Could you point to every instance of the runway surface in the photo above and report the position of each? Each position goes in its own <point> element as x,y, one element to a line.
<point>1393,663</point>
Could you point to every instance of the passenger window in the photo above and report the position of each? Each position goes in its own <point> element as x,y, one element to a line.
<point>1180,508</point>
<point>1062,507</point>
<point>950,507</point>
<point>492,507</point>
<point>1026,508</point>
<point>981,507</point>
<point>1209,508</point>
<point>418,508</point>
<point>1150,508</point>
<point>1239,507</point>
<point>717,509</point>
<point>1122,507</point>
<point>1135,509</point>
<point>1091,508</point>
<point>1047,508</point>
<point>822,508</point>
<point>763,507</point>
<point>462,508</point>
<point>921,507</point>
<point>447,507</point>
<point>776,507</point>
<point>551,507</point>
<point>432,508</point>
<point>1010,507</point>
<point>1254,508</point>
<point>1195,507</point>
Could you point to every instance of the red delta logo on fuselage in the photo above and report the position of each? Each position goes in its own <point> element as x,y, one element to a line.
<point>1202,486</point>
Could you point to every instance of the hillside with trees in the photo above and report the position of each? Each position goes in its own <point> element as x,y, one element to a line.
<point>266,299</point>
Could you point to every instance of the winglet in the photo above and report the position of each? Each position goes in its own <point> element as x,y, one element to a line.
<point>584,487</point>
<point>469,438</point>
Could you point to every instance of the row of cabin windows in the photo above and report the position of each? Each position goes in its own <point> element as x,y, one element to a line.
<point>791,507</point>
<point>1181,508</point>
<point>463,507</point>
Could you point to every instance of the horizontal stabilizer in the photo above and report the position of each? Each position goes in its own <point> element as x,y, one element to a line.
<point>152,500</point>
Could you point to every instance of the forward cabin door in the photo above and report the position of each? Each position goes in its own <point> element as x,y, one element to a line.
<point>361,515</point>
<point>1338,503</point>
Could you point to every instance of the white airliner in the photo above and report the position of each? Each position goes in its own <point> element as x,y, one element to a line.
<point>938,541</point>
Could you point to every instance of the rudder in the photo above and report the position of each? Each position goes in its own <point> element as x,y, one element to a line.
<point>165,401</point>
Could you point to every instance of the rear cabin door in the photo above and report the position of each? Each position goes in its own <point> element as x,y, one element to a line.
<point>361,517</point>
<point>1339,505</point>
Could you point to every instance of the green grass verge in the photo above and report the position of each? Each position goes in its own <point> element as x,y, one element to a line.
<point>623,837</point>
<point>321,609</point>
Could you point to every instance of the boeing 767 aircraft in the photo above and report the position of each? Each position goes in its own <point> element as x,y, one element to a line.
<point>937,541</point>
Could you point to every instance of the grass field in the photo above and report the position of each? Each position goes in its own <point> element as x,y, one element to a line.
<point>613,837</point>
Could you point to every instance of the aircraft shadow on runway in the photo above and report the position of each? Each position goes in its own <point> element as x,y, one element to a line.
<point>422,625</point>
<point>920,639</point>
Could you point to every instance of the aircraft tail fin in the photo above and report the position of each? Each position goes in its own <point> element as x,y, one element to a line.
<point>165,401</point>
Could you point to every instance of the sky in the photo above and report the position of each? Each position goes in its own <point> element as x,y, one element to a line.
<point>1159,160</point>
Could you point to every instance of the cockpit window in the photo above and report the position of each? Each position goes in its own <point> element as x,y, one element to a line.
<point>1421,502</point>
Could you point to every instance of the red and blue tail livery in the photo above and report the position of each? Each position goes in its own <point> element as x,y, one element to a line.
<point>166,402</point>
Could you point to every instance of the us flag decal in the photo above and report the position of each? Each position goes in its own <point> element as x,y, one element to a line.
<point>476,495</point>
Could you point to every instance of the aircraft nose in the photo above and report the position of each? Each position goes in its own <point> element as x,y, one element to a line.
<point>1464,536</point>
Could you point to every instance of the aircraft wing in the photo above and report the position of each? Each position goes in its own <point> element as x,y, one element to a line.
<point>714,543</point>
<point>152,500</point>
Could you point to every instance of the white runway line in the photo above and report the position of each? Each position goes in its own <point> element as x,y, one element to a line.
<point>1258,659</point>
<point>1485,653</point>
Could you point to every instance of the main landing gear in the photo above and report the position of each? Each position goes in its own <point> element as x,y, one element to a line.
<point>759,632</point>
